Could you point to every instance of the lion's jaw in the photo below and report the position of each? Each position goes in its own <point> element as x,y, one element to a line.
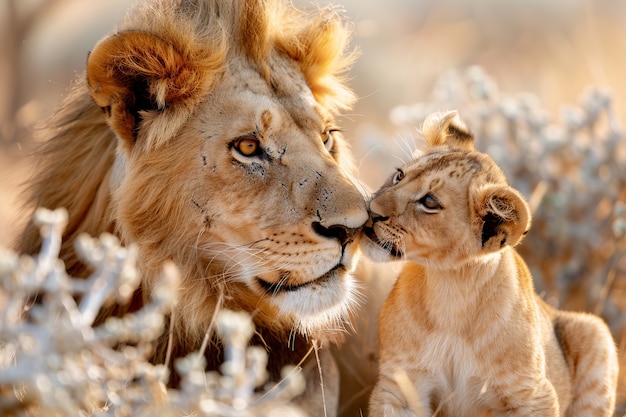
<point>271,230</point>
<point>313,299</point>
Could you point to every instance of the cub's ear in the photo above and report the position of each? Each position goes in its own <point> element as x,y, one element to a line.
<point>447,129</point>
<point>132,73</point>
<point>502,216</point>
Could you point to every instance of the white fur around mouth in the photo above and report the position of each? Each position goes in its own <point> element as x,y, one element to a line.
<point>322,304</point>
<point>325,307</point>
<point>275,288</point>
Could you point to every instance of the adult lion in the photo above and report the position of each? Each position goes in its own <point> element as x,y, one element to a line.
<point>204,133</point>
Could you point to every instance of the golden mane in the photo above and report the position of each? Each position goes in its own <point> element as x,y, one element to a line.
<point>255,29</point>
<point>75,160</point>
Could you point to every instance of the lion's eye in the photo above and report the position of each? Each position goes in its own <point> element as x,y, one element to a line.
<point>430,204</point>
<point>397,177</point>
<point>328,139</point>
<point>247,146</point>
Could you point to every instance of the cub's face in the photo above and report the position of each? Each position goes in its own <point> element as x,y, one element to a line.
<point>422,213</point>
<point>448,207</point>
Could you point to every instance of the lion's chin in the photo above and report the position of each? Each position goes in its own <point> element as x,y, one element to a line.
<point>276,288</point>
<point>319,308</point>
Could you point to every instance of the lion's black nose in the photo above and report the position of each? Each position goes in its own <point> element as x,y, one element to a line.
<point>337,231</point>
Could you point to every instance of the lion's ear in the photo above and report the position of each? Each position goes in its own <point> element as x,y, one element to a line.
<point>447,129</point>
<point>502,216</point>
<point>134,72</point>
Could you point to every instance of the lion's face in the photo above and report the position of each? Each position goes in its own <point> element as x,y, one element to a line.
<point>249,194</point>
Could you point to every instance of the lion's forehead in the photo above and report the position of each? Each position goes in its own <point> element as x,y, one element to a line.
<point>256,103</point>
<point>286,85</point>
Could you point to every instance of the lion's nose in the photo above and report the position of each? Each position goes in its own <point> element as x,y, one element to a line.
<point>337,231</point>
<point>342,224</point>
<point>339,209</point>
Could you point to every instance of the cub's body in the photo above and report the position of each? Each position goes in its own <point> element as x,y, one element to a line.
<point>463,332</point>
<point>478,345</point>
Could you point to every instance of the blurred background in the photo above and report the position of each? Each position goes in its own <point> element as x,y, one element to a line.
<point>553,49</point>
<point>541,82</point>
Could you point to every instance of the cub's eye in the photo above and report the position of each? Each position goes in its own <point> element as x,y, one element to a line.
<point>397,177</point>
<point>247,146</point>
<point>328,139</point>
<point>429,203</point>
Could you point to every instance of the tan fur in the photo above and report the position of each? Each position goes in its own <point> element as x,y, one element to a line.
<point>145,146</point>
<point>463,332</point>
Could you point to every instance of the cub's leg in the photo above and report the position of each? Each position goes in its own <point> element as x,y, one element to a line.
<point>538,399</point>
<point>591,355</point>
<point>389,400</point>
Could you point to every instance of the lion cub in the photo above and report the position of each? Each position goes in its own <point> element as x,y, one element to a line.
<point>463,332</point>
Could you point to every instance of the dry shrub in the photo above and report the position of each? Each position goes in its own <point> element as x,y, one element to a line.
<point>54,362</point>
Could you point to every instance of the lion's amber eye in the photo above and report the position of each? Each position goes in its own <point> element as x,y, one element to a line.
<point>328,139</point>
<point>248,146</point>
<point>429,203</point>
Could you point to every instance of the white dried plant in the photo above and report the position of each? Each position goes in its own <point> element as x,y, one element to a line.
<point>54,362</point>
